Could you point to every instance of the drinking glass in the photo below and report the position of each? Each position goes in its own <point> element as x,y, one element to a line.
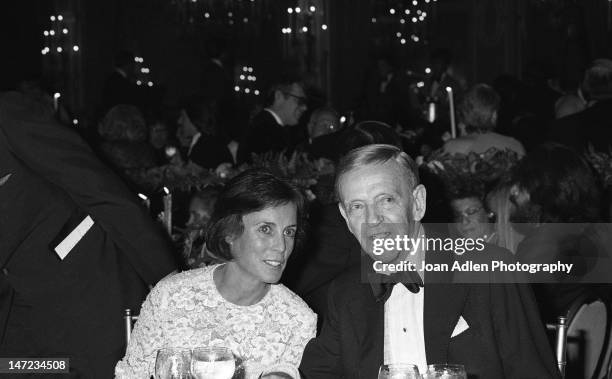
<point>280,372</point>
<point>212,363</point>
<point>399,371</point>
<point>173,363</point>
<point>445,371</point>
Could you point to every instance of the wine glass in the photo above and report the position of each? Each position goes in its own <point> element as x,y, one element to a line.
<point>173,363</point>
<point>445,371</point>
<point>279,371</point>
<point>399,371</point>
<point>212,363</point>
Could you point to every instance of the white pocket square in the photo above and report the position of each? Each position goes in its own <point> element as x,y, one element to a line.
<point>73,238</point>
<point>5,179</point>
<point>461,327</point>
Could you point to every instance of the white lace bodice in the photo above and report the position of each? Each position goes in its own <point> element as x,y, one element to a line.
<point>187,310</point>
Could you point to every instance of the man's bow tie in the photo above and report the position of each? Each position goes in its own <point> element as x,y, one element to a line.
<point>382,285</point>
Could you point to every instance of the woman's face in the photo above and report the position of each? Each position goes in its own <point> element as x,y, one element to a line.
<point>262,250</point>
<point>470,217</point>
<point>158,135</point>
<point>199,214</point>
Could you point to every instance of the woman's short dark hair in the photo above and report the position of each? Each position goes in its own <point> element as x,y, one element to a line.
<point>251,191</point>
<point>561,183</point>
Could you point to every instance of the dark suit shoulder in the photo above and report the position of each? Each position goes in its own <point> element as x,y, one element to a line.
<point>263,119</point>
<point>349,285</point>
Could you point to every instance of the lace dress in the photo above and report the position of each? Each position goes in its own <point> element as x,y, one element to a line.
<point>187,310</point>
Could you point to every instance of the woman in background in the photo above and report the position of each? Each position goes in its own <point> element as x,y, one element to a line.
<point>125,145</point>
<point>201,207</point>
<point>498,201</point>
<point>471,217</point>
<point>478,115</point>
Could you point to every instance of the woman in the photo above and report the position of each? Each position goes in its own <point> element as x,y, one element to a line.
<point>201,208</point>
<point>498,201</point>
<point>471,218</point>
<point>255,225</point>
<point>478,116</point>
<point>124,141</point>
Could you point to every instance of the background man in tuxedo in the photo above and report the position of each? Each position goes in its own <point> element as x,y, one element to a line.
<point>269,129</point>
<point>119,87</point>
<point>76,248</point>
<point>492,329</point>
<point>592,126</point>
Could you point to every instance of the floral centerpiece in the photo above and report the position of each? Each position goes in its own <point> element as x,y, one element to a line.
<point>186,177</point>
<point>485,168</point>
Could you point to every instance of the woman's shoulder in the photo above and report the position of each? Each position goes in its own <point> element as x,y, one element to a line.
<point>183,279</point>
<point>501,141</point>
<point>460,145</point>
<point>286,298</point>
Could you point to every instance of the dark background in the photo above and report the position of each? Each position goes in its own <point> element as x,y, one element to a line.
<point>525,38</point>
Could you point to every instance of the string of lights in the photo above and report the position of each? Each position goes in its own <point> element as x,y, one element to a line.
<point>407,17</point>
<point>60,56</point>
<point>56,38</point>
<point>246,81</point>
<point>142,73</point>
<point>300,19</point>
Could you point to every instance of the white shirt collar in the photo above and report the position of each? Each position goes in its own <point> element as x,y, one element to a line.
<point>278,119</point>
<point>194,140</point>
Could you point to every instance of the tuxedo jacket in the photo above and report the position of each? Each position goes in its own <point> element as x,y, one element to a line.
<point>504,338</point>
<point>329,250</point>
<point>263,134</point>
<point>591,126</point>
<point>57,200</point>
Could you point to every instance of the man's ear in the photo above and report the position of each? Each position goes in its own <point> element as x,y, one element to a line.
<point>229,240</point>
<point>278,96</point>
<point>419,203</point>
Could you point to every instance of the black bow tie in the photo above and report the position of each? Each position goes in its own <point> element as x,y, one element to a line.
<point>382,285</point>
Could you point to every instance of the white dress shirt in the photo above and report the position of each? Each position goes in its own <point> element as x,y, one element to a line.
<point>404,336</point>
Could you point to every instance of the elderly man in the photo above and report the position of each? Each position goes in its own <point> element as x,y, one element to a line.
<point>491,329</point>
<point>268,130</point>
